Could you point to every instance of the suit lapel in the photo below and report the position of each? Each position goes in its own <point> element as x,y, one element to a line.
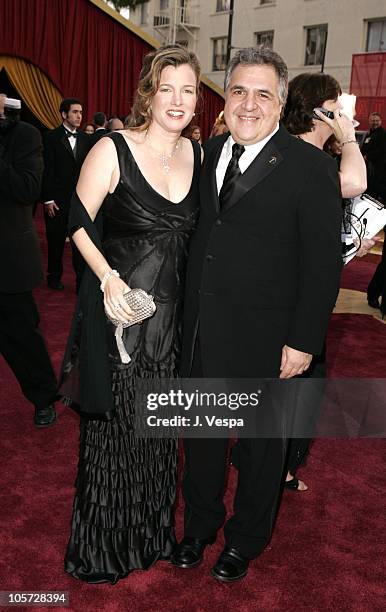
<point>266,162</point>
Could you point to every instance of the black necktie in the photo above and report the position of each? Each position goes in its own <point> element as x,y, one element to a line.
<point>231,175</point>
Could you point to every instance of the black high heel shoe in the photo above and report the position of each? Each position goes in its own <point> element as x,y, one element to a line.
<point>373,302</point>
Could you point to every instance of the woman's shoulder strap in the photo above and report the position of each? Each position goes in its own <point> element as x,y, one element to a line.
<point>118,140</point>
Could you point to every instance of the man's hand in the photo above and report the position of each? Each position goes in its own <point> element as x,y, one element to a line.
<point>51,209</point>
<point>2,103</point>
<point>366,245</point>
<point>293,362</point>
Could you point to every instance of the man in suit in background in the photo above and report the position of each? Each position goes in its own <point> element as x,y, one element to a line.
<point>262,279</point>
<point>65,149</point>
<point>21,342</point>
<point>374,152</point>
<point>100,122</point>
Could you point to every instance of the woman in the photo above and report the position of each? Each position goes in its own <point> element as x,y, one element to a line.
<point>219,127</point>
<point>143,184</point>
<point>193,132</point>
<point>333,147</point>
<point>89,129</point>
<point>307,94</point>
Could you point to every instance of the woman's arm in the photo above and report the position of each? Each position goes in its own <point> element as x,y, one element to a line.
<point>352,174</point>
<point>99,175</point>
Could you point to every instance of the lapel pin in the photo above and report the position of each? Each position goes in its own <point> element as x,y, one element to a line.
<point>272,160</point>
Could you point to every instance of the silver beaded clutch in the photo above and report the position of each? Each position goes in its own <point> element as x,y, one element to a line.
<point>142,304</point>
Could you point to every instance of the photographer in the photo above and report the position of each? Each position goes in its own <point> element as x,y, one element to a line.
<point>21,342</point>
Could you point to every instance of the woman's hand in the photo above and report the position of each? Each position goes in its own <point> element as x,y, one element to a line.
<point>341,125</point>
<point>114,302</point>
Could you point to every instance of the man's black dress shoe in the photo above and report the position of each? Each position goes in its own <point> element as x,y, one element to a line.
<point>55,284</point>
<point>231,565</point>
<point>189,552</point>
<point>44,415</point>
<point>373,302</point>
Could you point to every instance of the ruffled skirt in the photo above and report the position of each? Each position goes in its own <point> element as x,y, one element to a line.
<point>125,493</point>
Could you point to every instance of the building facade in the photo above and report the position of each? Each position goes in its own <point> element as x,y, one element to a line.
<point>307,33</point>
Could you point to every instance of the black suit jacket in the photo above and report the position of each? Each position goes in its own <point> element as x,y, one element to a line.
<point>21,169</point>
<point>374,148</point>
<point>98,134</point>
<point>61,167</point>
<point>265,272</point>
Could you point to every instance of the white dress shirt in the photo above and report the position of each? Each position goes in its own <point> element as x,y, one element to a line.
<point>251,151</point>
<point>71,140</point>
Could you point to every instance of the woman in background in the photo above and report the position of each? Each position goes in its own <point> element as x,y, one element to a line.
<point>219,126</point>
<point>193,132</point>
<point>308,96</point>
<point>89,129</point>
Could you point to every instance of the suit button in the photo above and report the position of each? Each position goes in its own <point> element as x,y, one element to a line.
<point>209,257</point>
<point>218,222</point>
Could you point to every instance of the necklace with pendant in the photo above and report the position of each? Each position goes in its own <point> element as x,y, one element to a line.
<point>166,158</point>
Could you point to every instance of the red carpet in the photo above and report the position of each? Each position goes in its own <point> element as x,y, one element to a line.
<point>358,273</point>
<point>328,548</point>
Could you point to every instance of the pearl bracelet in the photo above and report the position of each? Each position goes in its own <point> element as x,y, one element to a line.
<point>348,142</point>
<point>106,278</point>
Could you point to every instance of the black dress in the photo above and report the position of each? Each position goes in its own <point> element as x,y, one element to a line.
<point>126,486</point>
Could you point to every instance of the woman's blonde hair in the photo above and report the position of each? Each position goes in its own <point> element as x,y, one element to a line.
<point>149,79</point>
<point>219,126</point>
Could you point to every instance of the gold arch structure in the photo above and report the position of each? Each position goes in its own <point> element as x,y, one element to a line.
<point>36,89</point>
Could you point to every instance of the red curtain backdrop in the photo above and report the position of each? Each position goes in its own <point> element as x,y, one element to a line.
<point>208,109</point>
<point>85,52</point>
<point>368,83</point>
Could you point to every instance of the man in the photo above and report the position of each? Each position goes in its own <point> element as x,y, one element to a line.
<point>115,124</point>
<point>65,149</point>
<point>21,342</point>
<point>374,152</point>
<point>100,122</point>
<point>262,280</point>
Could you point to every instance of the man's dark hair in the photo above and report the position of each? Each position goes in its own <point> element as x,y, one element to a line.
<point>306,92</point>
<point>99,119</point>
<point>65,104</point>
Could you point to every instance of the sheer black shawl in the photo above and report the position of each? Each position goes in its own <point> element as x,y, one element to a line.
<point>85,379</point>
